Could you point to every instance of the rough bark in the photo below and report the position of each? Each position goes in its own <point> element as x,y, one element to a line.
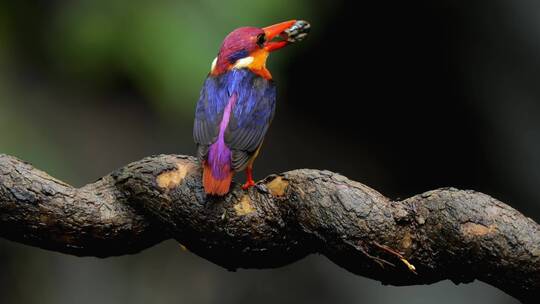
<point>445,233</point>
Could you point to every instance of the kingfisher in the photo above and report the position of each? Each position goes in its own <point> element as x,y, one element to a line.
<point>237,103</point>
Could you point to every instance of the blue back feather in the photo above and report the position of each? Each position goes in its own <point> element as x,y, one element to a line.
<point>250,118</point>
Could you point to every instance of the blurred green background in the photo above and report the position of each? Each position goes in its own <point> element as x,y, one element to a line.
<point>403,96</point>
<point>116,67</point>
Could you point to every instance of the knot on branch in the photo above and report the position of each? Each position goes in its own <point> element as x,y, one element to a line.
<point>441,234</point>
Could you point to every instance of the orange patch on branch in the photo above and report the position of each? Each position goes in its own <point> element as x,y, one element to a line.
<point>171,179</point>
<point>244,206</point>
<point>278,186</point>
<point>406,242</point>
<point>474,229</point>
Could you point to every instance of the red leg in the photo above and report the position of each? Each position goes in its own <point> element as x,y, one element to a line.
<point>249,178</point>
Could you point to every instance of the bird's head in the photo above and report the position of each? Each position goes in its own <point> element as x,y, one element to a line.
<point>249,47</point>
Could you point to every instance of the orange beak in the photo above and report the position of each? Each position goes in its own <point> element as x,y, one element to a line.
<point>274,31</point>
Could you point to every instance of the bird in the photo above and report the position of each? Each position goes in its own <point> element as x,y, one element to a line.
<point>237,103</point>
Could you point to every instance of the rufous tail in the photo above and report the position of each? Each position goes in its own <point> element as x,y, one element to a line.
<point>213,185</point>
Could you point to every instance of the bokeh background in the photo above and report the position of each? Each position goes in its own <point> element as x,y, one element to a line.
<point>404,96</point>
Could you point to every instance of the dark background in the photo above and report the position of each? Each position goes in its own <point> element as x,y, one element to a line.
<point>404,96</point>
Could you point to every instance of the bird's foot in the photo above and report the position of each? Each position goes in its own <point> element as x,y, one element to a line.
<point>249,183</point>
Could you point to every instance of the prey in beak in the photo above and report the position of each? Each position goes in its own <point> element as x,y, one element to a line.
<point>279,35</point>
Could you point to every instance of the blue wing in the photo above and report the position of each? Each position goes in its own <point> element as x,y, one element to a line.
<point>209,112</point>
<point>250,118</point>
<point>251,115</point>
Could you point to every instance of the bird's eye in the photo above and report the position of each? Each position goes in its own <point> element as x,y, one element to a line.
<point>261,39</point>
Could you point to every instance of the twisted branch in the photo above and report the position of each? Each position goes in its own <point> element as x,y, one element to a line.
<point>441,234</point>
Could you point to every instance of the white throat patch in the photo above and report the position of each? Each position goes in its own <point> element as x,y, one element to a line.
<point>244,62</point>
<point>240,63</point>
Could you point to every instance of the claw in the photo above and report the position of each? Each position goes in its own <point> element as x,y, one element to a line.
<point>248,184</point>
<point>249,176</point>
